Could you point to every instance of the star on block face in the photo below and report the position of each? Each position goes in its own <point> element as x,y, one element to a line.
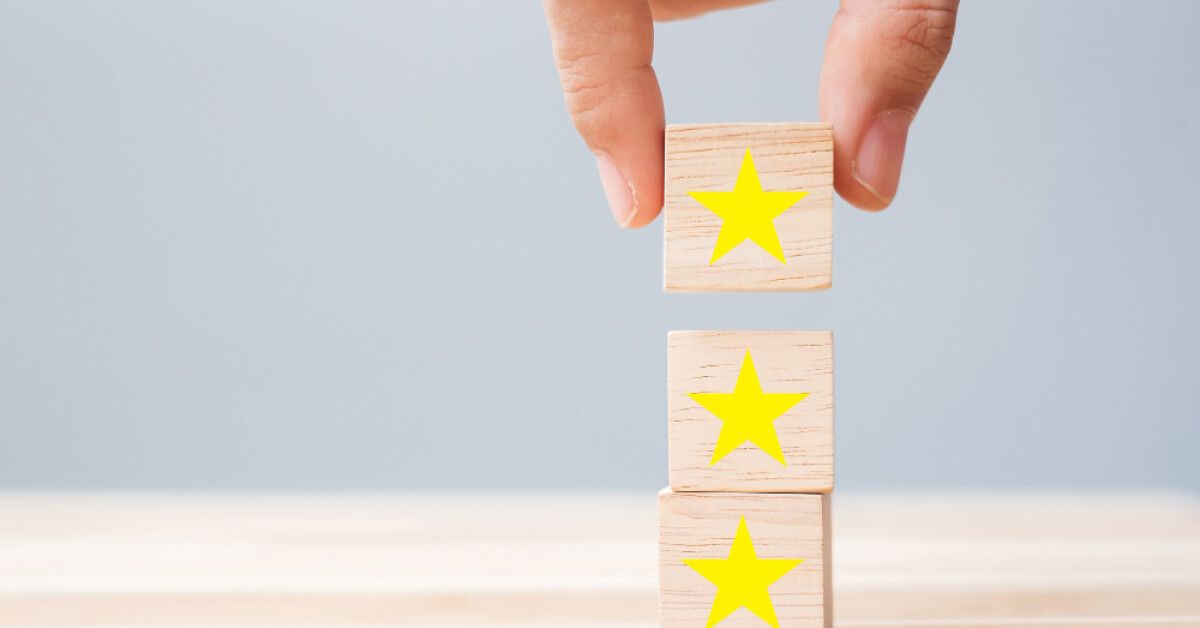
<point>742,579</point>
<point>769,228</point>
<point>748,212</point>
<point>711,571</point>
<point>748,414</point>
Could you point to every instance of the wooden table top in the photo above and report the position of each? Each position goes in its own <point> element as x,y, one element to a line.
<point>572,559</point>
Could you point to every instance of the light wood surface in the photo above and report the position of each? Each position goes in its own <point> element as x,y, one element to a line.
<point>573,559</point>
<point>786,362</point>
<point>781,525</point>
<point>707,158</point>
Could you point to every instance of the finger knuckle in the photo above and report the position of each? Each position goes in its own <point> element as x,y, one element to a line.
<point>591,84</point>
<point>921,36</point>
<point>586,99</point>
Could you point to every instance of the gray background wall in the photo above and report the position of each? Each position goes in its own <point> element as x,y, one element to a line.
<point>357,245</point>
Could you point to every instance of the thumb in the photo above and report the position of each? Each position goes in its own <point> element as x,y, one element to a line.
<point>881,59</point>
<point>603,50</point>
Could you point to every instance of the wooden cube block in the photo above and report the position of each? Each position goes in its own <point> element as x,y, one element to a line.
<point>748,207</point>
<point>750,411</point>
<point>743,559</point>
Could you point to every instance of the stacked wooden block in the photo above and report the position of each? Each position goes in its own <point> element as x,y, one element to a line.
<point>744,536</point>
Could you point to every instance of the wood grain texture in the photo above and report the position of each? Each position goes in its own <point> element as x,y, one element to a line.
<point>702,525</point>
<point>786,362</point>
<point>574,559</point>
<point>788,157</point>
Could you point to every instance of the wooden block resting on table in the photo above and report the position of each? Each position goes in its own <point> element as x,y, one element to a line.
<point>742,559</point>
<point>750,411</point>
<point>748,207</point>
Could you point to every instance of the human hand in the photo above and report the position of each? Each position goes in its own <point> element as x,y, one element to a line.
<point>880,60</point>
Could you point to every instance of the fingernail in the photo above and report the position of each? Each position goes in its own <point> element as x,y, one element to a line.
<point>881,153</point>
<point>617,190</point>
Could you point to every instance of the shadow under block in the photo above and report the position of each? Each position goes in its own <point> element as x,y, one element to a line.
<point>779,526</point>
<point>711,366</point>
<point>787,157</point>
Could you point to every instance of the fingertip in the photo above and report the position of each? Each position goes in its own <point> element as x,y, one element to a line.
<point>846,184</point>
<point>647,178</point>
<point>632,205</point>
<point>635,151</point>
<point>617,191</point>
<point>854,191</point>
<point>880,156</point>
<point>648,206</point>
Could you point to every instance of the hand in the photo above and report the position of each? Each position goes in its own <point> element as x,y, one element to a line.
<point>880,60</point>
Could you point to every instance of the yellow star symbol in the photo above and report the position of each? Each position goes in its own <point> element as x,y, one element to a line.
<point>748,414</point>
<point>742,579</point>
<point>748,212</point>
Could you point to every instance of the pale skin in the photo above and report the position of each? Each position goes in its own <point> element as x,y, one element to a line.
<point>880,60</point>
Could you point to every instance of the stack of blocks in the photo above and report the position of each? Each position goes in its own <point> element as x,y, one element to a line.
<point>744,533</point>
